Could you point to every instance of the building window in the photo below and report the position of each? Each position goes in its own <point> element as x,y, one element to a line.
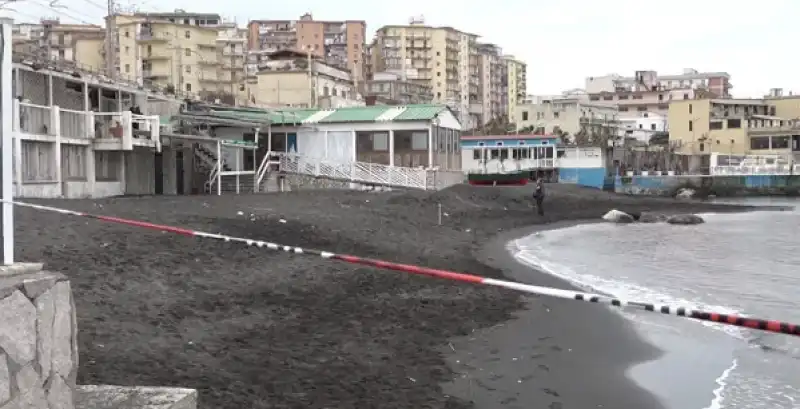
<point>652,127</point>
<point>714,125</point>
<point>641,108</point>
<point>691,126</point>
<point>686,96</point>
<point>127,34</point>
<point>555,115</point>
<point>189,87</point>
<point>759,142</point>
<point>524,115</point>
<point>419,141</point>
<point>187,34</point>
<point>660,97</point>
<point>188,69</point>
<point>623,109</point>
<point>127,68</point>
<point>326,91</point>
<point>734,123</point>
<point>476,154</point>
<point>702,147</point>
<point>127,50</point>
<point>188,52</point>
<point>690,108</point>
<point>439,74</point>
<point>380,142</point>
<point>780,142</point>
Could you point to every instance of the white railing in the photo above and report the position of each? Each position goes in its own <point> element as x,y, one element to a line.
<point>367,173</point>
<point>35,119</point>
<point>212,176</point>
<point>764,170</point>
<point>55,121</point>
<point>75,124</point>
<point>263,169</point>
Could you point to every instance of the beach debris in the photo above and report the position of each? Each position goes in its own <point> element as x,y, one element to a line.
<point>616,216</point>
<point>412,379</point>
<point>685,193</point>
<point>240,213</point>
<point>282,221</point>
<point>685,219</point>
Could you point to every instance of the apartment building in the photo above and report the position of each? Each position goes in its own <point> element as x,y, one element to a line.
<point>735,126</point>
<point>646,91</point>
<point>340,43</point>
<point>287,79</point>
<point>78,44</point>
<point>517,72</point>
<point>644,126</point>
<point>570,115</point>
<point>391,88</point>
<point>493,82</point>
<point>443,58</point>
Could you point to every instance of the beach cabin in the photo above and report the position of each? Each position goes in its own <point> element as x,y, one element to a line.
<point>508,153</point>
<point>582,165</point>
<point>412,140</point>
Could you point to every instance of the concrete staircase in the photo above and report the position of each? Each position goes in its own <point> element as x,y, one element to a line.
<point>246,184</point>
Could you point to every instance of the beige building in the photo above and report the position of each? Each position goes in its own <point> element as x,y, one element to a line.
<point>390,88</point>
<point>441,57</point>
<point>735,126</point>
<point>287,79</point>
<point>646,91</point>
<point>78,44</point>
<point>340,43</point>
<point>517,83</point>
<point>566,114</point>
<point>205,60</point>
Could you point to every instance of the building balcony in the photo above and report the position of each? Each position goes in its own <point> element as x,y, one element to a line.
<point>156,57</point>
<point>207,46</point>
<point>150,38</point>
<point>117,131</point>
<point>154,76</point>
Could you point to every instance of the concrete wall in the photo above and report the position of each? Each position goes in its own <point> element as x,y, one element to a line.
<point>589,177</point>
<point>38,339</point>
<point>716,185</point>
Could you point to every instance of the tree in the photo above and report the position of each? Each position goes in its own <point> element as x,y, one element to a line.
<point>659,139</point>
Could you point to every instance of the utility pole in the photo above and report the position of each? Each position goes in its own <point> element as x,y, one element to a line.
<point>111,41</point>
<point>7,139</point>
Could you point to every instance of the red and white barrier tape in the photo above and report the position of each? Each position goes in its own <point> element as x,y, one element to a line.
<point>734,320</point>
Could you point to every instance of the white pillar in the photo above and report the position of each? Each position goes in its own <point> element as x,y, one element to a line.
<point>219,168</point>
<point>17,147</point>
<point>325,139</point>
<point>430,146</point>
<point>6,71</point>
<point>55,120</point>
<point>391,147</point>
<point>50,91</point>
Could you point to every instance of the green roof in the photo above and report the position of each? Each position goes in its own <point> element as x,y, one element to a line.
<point>423,112</point>
<point>420,112</point>
<point>354,114</point>
<point>275,117</point>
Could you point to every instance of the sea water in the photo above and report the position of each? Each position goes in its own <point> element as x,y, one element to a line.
<point>747,263</point>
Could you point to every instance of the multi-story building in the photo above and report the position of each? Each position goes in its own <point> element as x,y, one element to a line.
<point>643,127</point>
<point>78,44</point>
<point>443,58</point>
<point>287,79</point>
<point>646,91</point>
<point>391,88</point>
<point>569,115</point>
<point>339,43</point>
<point>174,56</point>
<point>735,126</point>
<point>517,83</point>
<point>493,82</point>
<point>184,52</point>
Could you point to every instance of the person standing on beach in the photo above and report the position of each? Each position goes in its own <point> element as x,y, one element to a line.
<point>538,196</point>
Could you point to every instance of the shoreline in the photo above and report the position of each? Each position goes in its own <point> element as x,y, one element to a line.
<point>590,344</point>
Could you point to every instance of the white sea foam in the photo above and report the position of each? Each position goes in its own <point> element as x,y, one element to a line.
<point>719,391</point>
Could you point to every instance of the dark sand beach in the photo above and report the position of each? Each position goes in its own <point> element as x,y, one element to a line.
<point>256,329</point>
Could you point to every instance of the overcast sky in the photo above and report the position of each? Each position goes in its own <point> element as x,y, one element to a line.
<point>563,42</point>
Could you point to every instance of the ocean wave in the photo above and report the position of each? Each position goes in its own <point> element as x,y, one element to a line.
<point>621,289</point>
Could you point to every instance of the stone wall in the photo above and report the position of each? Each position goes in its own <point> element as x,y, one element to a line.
<point>38,339</point>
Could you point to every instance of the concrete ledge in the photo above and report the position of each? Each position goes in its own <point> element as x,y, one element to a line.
<point>134,397</point>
